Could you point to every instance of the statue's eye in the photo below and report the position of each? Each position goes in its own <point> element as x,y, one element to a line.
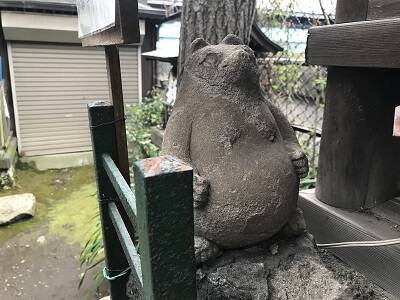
<point>211,60</point>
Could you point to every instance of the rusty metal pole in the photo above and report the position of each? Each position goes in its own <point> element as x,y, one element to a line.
<point>116,95</point>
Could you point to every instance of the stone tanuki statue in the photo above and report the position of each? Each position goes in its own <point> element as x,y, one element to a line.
<point>245,155</point>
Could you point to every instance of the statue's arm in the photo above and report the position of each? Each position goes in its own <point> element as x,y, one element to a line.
<point>284,126</point>
<point>177,136</point>
<point>176,142</point>
<point>293,147</point>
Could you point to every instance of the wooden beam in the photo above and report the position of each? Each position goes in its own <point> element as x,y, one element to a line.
<point>383,9</point>
<point>366,10</point>
<point>116,94</point>
<point>128,247</point>
<point>372,44</point>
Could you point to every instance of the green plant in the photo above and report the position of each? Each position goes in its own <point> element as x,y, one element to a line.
<point>285,76</point>
<point>93,251</point>
<point>139,120</point>
<point>309,148</point>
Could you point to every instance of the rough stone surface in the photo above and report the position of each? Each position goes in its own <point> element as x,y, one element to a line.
<point>241,146</point>
<point>293,271</point>
<point>281,269</point>
<point>205,250</point>
<point>15,207</point>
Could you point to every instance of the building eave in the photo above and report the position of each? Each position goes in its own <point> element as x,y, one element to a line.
<point>145,12</point>
<point>261,43</point>
<point>37,6</point>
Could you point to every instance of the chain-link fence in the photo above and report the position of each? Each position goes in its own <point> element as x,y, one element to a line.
<point>297,89</point>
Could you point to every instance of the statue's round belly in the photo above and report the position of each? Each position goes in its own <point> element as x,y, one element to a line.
<point>253,193</point>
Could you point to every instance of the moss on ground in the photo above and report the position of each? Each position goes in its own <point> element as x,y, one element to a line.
<point>73,216</point>
<point>65,199</point>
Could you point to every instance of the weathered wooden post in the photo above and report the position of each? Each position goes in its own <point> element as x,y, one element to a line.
<point>359,164</point>
<point>101,120</point>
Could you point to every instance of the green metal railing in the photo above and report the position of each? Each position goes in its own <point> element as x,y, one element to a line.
<point>160,214</point>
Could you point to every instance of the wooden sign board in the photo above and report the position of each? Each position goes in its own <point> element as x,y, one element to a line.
<point>95,16</point>
<point>108,22</point>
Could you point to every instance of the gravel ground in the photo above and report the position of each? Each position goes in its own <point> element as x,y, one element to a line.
<point>37,265</point>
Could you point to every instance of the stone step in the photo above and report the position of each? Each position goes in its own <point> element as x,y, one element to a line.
<point>330,225</point>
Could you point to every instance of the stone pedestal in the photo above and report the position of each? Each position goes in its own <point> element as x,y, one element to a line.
<point>284,269</point>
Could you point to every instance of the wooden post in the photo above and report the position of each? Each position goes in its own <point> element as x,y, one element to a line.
<point>351,11</point>
<point>164,199</point>
<point>101,117</point>
<point>359,158</point>
<point>359,161</point>
<point>116,95</point>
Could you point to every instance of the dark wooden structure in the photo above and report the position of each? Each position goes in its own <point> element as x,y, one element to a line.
<point>359,164</point>
<point>161,213</point>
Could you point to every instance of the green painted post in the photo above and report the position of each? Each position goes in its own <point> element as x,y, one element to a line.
<point>101,119</point>
<point>164,199</point>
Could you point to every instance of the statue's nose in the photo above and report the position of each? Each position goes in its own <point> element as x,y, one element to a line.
<point>239,55</point>
<point>236,56</point>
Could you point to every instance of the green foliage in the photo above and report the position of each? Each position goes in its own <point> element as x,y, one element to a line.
<point>308,148</point>
<point>139,119</point>
<point>285,77</point>
<point>288,76</point>
<point>93,251</point>
<point>273,13</point>
<point>310,181</point>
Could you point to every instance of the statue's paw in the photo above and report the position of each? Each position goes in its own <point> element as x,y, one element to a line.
<point>201,190</point>
<point>205,250</point>
<point>301,166</point>
<point>296,225</point>
<point>300,162</point>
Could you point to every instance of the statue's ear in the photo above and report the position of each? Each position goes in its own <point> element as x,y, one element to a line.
<point>197,44</point>
<point>232,39</point>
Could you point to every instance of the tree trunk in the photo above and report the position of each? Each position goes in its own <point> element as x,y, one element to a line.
<point>212,20</point>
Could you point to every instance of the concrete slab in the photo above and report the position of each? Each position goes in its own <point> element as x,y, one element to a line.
<point>60,161</point>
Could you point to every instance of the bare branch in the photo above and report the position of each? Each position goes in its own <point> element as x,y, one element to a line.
<point>328,21</point>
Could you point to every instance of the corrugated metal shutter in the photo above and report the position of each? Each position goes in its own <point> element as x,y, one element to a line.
<point>52,86</point>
